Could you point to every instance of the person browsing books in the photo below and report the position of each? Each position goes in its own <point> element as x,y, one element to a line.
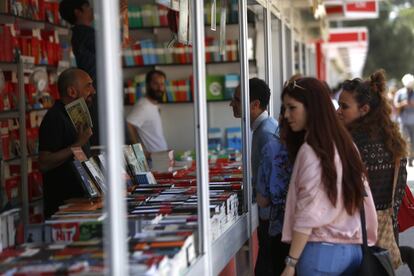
<point>57,135</point>
<point>270,177</point>
<point>79,14</point>
<point>327,188</point>
<point>144,120</point>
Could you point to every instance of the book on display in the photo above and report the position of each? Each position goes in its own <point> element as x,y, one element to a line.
<point>79,113</point>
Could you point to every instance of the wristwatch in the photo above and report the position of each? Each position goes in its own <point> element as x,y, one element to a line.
<point>289,261</point>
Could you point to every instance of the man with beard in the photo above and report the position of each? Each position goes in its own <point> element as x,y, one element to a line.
<point>57,135</point>
<point>79,14</point>
<point>144,121</point>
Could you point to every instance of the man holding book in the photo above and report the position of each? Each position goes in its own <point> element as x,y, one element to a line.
<point>270,177</point>
<point>58,134</point>
<point>79,14</point>
<point>144,121</point>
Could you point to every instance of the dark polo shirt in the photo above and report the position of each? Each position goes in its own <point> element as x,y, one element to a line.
<point>61,183</point>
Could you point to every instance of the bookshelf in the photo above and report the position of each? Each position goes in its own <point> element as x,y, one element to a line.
<point>9,114</point>
<point>20,191</point>
<point>27,44</point>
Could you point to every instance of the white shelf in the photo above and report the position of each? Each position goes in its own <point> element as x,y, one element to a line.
<point>224,248</point>
<point>28,23</point>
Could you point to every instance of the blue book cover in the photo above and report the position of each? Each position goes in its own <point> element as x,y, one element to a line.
<point>234,138</point>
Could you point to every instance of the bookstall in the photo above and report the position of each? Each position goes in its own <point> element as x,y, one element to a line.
<point>191,220</point>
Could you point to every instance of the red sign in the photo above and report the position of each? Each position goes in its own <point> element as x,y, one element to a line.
<point>355,35</point>
<point>351,9</point>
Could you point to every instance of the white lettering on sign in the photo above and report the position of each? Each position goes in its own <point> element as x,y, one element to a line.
<point>63,234</point>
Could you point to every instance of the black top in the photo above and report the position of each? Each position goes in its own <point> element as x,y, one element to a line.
<point>83,44</point>
<point>381,167</point>
<point>57,132</point>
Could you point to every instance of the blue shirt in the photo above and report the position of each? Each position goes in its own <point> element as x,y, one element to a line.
<point>272,181</point>
<point>268,160</point>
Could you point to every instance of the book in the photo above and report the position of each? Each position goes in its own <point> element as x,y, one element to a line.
<point>87,183</point>
<point>131,160</point>
<point>79,113</point>
<point>95,174</point>
<point>140,157</point>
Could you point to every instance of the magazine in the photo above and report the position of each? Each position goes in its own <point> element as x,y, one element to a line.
<point>79,113</point>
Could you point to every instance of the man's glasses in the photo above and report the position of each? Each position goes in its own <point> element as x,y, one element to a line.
<point>291,85</point>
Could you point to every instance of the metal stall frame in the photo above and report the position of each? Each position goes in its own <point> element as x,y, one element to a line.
<point>200,115</point>
<point>268,51</point>
<point>214,255</point>
<point>111,112</point>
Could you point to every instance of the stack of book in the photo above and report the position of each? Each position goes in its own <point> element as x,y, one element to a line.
<point>149,52</point>
<point>9,139</point>
<point>78,220</point>
<point>172,252</point>
<point>179,200</point>
<point>10,229</point>
<point>147,16</point>
<point>8,45</point>
<point>54,259</point>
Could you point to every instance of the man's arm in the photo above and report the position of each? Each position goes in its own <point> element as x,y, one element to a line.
<point>50,160</point>
<point>135,138</point>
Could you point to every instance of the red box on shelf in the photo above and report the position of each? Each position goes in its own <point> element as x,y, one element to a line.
<point>35,184</point>
<point>12,187</point>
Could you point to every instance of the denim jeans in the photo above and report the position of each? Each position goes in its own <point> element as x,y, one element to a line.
<point>321,258</point>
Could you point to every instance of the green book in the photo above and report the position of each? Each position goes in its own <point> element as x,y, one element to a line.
<point>215,87</point>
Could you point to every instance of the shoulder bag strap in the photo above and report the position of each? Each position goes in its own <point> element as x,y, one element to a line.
<point>364,228</point>
<point>362,210</point>
<point>394,183</point>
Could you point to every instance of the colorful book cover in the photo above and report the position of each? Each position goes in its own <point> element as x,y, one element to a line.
<point>79,113</point>
<point>140,157</point>
<point>96,175</point>
<point>87,183</point>
<point>131,160</point>
<point>215,87</point>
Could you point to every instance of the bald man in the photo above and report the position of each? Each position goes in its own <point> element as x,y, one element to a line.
<point>56,137</point>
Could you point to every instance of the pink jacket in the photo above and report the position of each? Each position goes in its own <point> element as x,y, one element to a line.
<point>309,211</point>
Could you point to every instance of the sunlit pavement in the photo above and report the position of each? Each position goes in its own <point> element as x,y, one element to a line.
<point>407,237</point>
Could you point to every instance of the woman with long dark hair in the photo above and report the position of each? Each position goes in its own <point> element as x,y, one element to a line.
<point>327,188</point>
<point>366,113</point>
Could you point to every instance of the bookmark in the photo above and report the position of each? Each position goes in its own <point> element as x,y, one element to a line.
<point>183,22</point>
<point>213,15</point>
<point>222,42</point>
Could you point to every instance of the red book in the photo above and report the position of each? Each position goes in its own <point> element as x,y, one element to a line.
<point>136,48</point>
<point>12,185</point>
<point>2,45</point>
<point>42,10</point>
<point>181,54</point>
<point>163,11</point>
<point>5,140</point>
<point>8,44</point>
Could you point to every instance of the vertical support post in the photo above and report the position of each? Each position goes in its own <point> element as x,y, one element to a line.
<point>284,50</point>
<point>269,52</point>
<point>200,114</point>
<point>245,101</point>
<point>292,40</point>
<point>307,61</point>
<point>111,112</point>
<point>23,144</point>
